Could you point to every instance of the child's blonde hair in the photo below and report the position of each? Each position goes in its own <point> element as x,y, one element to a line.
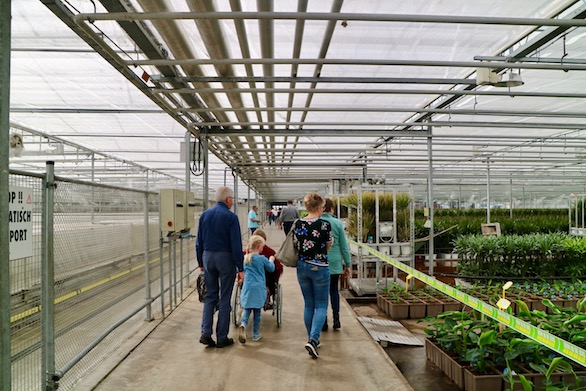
<point>254,243</point>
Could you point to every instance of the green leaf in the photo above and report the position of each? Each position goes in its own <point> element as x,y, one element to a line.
<point>538,367</point>
<point>487,338</point>
<point>575,319</point>
<point>555,362</point>
<point>581,304</point>
<point>527,385</point>
<point>551,306</point>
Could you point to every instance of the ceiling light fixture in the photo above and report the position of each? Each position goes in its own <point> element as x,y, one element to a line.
<point>488,77</point>
<point>510,79</point>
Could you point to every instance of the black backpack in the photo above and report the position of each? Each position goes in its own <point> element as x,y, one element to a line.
<point>201,288</point>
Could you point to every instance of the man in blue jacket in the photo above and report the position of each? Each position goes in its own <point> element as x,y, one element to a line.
<point>219,256</point>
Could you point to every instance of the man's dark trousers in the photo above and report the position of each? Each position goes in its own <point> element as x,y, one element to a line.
<point>219,275</point>
<point>287,226</point>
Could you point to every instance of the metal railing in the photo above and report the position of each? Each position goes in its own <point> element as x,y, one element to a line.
<point>98,272</point>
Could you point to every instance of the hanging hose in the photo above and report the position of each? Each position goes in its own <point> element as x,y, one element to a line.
<point>197,165</point>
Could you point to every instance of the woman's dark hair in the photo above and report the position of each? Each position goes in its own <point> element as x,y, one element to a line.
<point>329,205</point>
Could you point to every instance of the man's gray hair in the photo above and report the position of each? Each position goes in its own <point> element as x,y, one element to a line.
<point>223,192</point>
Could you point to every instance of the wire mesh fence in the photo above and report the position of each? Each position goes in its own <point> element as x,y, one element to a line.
<point>25,282</point>
<point>104,285</point>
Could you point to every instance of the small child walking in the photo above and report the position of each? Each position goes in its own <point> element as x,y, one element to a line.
<point>254,289</point>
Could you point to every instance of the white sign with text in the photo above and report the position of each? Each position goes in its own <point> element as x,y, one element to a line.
<point>20,222</point>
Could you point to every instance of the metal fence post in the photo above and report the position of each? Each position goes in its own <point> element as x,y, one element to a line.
<point>181,268</point>
<point>161,276</point>
<point>47,281</point>
<point>5,355</point>
<point>170,245</point>
<point>147,268</point>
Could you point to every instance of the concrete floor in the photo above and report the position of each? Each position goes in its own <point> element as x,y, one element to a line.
<point>171,358</point>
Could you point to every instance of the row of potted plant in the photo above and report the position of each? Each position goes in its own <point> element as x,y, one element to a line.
<point>541,255</point>
<point>399,303</point>
<point>477,352</point>
<point>560,292</point>
<point>416,303</point>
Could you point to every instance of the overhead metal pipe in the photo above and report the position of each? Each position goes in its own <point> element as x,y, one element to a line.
<point>544,60</point>
<point>512,113</point>
<point>356,126</point>
<point>449,19</point>
<point>414,134</point>
<point>370,62</point>
<point>314,163</point>
<point>510,93</point>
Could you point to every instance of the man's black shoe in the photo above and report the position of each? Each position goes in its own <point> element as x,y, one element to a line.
<point>225,342</point>
<point>206,340</point>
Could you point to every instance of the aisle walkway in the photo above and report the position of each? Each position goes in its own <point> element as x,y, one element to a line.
<point>171,358</point>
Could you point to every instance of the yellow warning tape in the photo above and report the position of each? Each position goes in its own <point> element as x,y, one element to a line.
<point>556,344</point>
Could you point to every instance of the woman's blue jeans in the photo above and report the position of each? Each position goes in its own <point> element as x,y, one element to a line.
<point>315,286</point>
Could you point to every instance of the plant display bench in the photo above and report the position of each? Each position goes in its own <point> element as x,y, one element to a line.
<point>447,364</point>
<point>492,382</point>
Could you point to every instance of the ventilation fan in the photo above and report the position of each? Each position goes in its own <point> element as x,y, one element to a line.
<point>16,145</point>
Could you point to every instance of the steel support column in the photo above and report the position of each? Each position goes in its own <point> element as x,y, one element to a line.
<point>429,197</point>
<point>147,269</point>
<point>511,198</point>
<point>47,283</point>
<point>236,193</point>
<point>5,360</point>
<point>188,156</point>
<point>487,190</point>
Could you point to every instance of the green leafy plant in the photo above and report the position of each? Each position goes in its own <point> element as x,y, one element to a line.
<point>532,255</point>
<point>548,367</point>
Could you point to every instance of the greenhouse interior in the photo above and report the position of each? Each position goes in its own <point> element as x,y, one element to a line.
<point>451,137</point>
